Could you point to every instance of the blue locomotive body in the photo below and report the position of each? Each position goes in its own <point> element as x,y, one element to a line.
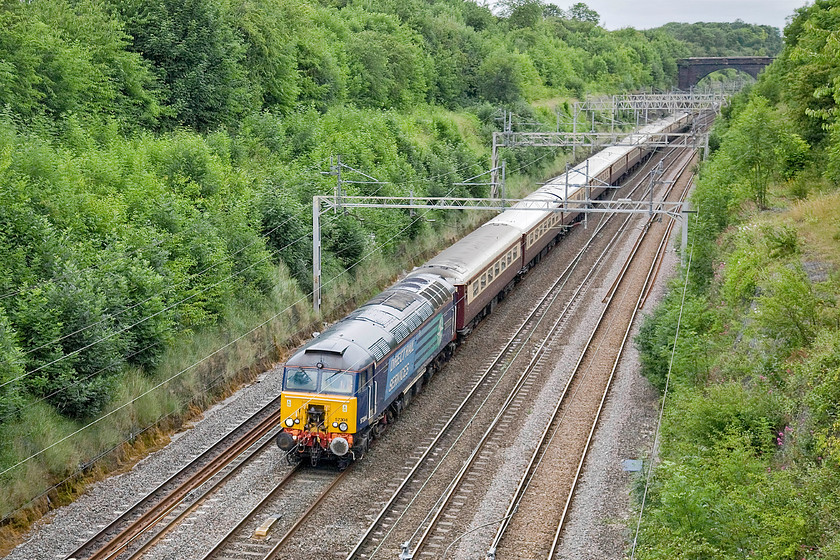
<point>345,385</point>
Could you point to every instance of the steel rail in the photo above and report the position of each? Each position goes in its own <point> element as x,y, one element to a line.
<point>561,524</point>
<point>518,386</point>
<point>151,508</point>
<point>544,440</point>
<point>509,345</point>
<point>198,502</point>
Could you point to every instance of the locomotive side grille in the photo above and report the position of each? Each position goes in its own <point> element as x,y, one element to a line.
<point>379,349</point>
<point>413,321</point>
<point>426,310</point>
<point>400,331</point>
<point>434,293</point>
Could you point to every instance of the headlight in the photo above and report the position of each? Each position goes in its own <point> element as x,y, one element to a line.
<point>335,424</point>
<point>289,422</point>
<point>343,426</point>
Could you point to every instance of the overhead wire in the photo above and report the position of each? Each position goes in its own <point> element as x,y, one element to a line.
<point>193,276</point>
<point>146,318</point>
<point>134,250</point>
<point>223,347</point>
<point>200,273</point>
<point>226,258</point>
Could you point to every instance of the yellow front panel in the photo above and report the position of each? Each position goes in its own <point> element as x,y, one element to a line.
<point>337,408</point>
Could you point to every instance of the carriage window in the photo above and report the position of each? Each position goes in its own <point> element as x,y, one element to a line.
<point>475,289</point>
<point>489,275</point>
<point>496,269</point>
<point>299,379</point>
<point>483,281</point>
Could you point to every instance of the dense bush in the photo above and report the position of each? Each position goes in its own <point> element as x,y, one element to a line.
<point>750,461</point>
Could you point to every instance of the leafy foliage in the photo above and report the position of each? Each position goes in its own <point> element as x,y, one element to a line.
<point>158,161</point>
<point>750,449</point>
<point>727,39</point>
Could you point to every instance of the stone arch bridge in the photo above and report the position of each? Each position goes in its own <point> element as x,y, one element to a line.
<point>692,70</point>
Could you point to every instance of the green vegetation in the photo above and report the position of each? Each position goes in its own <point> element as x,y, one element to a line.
<point>750,454</point>
<point>157,168</point>
<point>727,39</point>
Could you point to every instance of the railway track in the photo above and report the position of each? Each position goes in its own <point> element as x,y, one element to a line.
<point>133,531</point>
<point>287,507</point>
<point>550,470</point>
<point>434,517</point>
<point>140,527</point>
<point>492,387</point>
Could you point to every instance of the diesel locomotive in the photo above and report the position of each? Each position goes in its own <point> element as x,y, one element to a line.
<point>342,388</point>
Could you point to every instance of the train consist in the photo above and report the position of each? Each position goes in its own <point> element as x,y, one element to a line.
<point>341,389</point>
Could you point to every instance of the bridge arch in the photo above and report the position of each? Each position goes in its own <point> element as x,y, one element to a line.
<point>692,70</point>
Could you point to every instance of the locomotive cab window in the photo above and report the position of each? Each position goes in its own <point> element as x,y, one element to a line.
<point>298,379</point>
<point>339,382</point>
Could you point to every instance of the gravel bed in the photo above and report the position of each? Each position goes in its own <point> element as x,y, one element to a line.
<point>62,531</point>
<point>515,458</point>
<point>602,521</point>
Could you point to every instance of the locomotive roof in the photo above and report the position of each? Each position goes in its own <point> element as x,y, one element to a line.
<point>370,332</point>
<point>467,257</point>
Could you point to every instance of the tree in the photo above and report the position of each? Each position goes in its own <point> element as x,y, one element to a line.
<point>582,12</point>
<point>196,54</point>
<point>525,13</point>
<point>758,144</point>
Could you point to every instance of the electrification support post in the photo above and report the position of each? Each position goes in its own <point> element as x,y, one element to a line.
<point>504,175</point>
<point>588,197</point>
<point>656,172</point>
<point>566,195</point>
<point>494,165</point>
<point>316,254</point>
<point>684,242</point>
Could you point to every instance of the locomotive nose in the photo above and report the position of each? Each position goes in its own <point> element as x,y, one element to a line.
<point>285,441</point>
